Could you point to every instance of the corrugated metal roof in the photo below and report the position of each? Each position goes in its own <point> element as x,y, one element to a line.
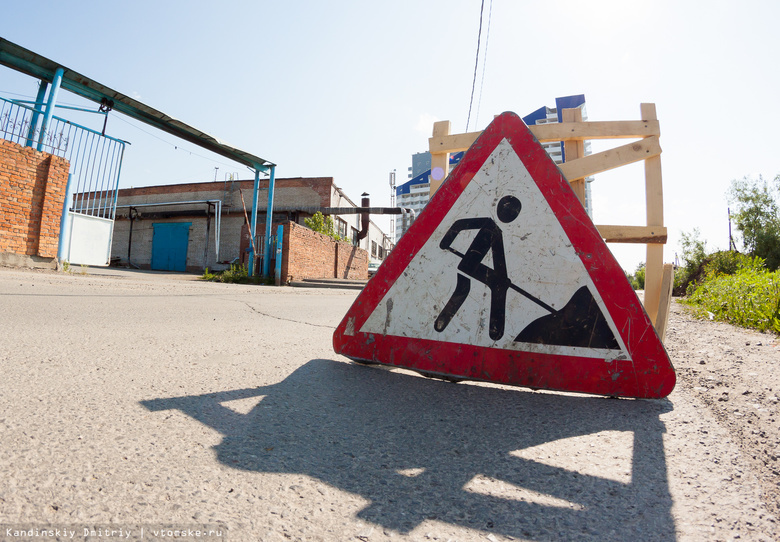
<point>35,65</point>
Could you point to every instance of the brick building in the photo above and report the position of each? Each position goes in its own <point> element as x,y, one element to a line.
<point>177,226</point>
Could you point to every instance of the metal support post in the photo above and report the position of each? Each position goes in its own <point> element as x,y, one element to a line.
<point>130,239</point>
<point>47,114</point>
<point>208,231</point>
<point>36,112</point>
<point>253,224</point>
<point>279,246</point>
<point>269,215</point>
<point>63,248</point>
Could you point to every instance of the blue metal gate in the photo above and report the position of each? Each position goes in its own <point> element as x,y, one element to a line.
<point>169,246</point>
<point>93,182</point>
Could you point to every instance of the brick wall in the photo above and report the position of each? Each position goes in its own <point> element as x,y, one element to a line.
<point>307,254</point>
<point>351,262</point>
<point>32,191</point>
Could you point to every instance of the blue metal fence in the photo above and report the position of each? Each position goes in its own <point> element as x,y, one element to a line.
<point>95,159</point>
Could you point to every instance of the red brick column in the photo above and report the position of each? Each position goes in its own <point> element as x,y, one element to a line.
<point>32,191</point>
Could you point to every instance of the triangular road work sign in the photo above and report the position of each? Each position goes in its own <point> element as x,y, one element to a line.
<point>504,278</point>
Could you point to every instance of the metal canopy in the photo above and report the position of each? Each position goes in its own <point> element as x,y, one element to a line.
<point>35,65</point>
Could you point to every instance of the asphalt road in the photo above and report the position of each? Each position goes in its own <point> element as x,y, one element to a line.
<point>154,401</point>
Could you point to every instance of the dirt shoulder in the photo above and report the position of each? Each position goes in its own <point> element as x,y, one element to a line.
<point>736,374</point>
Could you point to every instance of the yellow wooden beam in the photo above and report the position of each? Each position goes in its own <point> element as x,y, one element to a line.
<point>440,161</point>
<point>633,234</point>
<point>667,285</point>
<point>619,156</point>
<point>451,143</point>
<point>565,131</point>
<point>654,200</point>
<point>574,149</point>
<point>578,131</point>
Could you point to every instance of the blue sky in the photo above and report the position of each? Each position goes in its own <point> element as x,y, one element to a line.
<point>350,89</point>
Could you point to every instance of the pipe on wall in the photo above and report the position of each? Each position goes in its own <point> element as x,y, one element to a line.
<point>365,202</point>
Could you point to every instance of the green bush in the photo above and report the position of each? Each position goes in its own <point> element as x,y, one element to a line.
<point>637,280</point>
<point>237,274</point>
<point>725,262</point>
<point>748,298</point>
<point>729,262</point>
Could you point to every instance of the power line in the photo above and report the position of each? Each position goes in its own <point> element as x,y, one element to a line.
<point>32,97</point>
<point>476,65</point>
<point>15,94</point>
<point>121,118</point>
<point>484,62</point>
<point>175,146</point>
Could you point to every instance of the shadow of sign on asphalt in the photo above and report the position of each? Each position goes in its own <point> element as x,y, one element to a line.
<point>421,449</point>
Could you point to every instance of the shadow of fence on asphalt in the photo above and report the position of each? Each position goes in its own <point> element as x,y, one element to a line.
<point>412,445</point>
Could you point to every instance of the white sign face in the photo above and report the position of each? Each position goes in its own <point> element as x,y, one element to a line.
<point>500,272</point>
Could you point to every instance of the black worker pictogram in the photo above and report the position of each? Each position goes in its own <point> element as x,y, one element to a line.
<point>579,323</point>
<point>488,239</point>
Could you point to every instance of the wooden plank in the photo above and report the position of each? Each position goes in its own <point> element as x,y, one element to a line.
<point>574,149</point>
<point>653,276</point>
<point>621,129</point>
<point>619,156</point>
<point>667,285</point>
<point>655,217</point>
<point>440,159</point>
<point>633,234</point>
<point>450,143</point>
<point>565,131</point>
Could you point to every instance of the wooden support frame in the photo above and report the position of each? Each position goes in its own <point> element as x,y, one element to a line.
<point>667,285</point>
<point>574,150</point>
<point>574,132</point>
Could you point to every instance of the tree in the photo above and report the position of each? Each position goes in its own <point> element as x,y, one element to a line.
<point>322,224</point>
<point>756,216</point>
<point>694,252</point>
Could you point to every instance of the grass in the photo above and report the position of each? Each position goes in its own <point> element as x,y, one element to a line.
<point>236,274</point>
<point>749,298</point>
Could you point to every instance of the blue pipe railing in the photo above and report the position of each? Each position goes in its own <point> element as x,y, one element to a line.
<point>38,107</point>
<point>95,159</point>
<point>48,112</point>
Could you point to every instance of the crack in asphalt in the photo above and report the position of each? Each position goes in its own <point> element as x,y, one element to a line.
<point>286,319</point>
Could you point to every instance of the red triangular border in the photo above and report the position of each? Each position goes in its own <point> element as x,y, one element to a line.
<point>649,373</point>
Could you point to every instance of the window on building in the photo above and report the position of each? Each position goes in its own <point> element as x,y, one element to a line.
<point>380,252</point>
<point>355,240</point>
<point>373,249</point>
<point>342,226</point>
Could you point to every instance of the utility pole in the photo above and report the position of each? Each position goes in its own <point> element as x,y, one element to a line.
<point>732,245</point>
<point>392,204</point>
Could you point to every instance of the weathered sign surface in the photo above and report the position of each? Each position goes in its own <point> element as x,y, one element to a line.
<point>504,278</point>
